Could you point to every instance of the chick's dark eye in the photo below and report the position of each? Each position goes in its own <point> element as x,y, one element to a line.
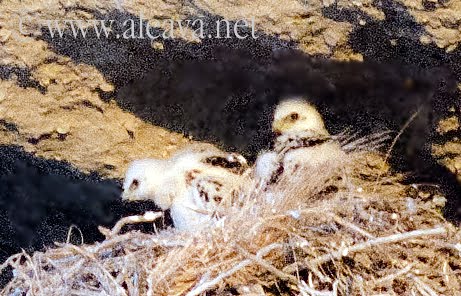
<point>134,184</point>
<point>294,116</point>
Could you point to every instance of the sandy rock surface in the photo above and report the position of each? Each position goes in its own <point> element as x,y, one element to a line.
<point>51,105</point>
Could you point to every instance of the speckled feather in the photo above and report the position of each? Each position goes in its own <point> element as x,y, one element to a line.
<point>193,184</point>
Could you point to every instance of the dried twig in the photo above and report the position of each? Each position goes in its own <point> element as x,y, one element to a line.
<point>69,233</point>
<point>349,225</point>
<point>257,259</point>
<point>202,287</point>
<point>391,277</point>
<point>305,290</point>
<point>147,217</point>
<point>371,243</point>
<point>396,138</point>
<point>422,286</point>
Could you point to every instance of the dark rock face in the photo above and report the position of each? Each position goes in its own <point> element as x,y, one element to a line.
<point>223,90</point>
<point>41,199</point>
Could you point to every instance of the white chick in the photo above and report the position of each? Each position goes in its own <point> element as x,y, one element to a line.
<point>194,183</point>
<point>302,141</point>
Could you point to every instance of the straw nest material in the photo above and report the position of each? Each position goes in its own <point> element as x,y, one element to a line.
<point>346,228</point>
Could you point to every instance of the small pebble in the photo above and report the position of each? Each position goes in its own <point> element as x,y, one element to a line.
<point>439,200</point>
<point>424,39</point>
<point>424,195</point>
<point>357,3</point>
<point>62,130</point>
<point>294,214</point>
<point>157,45</point>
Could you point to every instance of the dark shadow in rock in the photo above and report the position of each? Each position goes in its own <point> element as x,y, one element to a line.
<point>22,75</point>
<point>223,90</point>
<point>40,199</point>
<point>396,40</point>
<point>9,126</point>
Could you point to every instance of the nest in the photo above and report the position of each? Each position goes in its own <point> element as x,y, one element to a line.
<point>347,228</point>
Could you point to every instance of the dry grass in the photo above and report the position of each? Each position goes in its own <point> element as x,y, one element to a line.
<point>349,228</point>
